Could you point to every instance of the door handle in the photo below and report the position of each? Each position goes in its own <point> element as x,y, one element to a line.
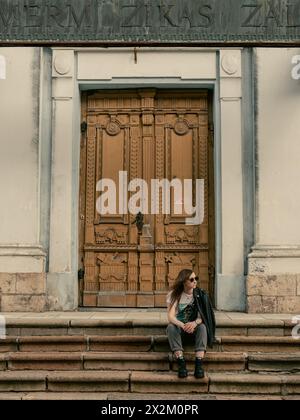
<point>139,222</point>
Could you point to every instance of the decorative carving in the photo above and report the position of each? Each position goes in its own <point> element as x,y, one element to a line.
<point>177,262</point>
<point>159,119</point>
<point>111,235</point>
<point>111,259</point>
<point>146,274</point>
<point>181,235</point>
<point>133,271</point>
<point>134,160</point>
<point>181,127</point>
<point>112,272</point>
<point>230,63</point>
<point>160,272</point>
<point>134,119</point>
<point>113,128</point>
<point>180,259</point>
<point>203,162</point>
<point>90,280</point>
<point>148,119</point>
<point>159,172</point>
<point>90,184</point>
<point>62,63</point>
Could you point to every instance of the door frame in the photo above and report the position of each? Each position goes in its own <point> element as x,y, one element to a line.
<point>211,185</point>
<point>226,72</point>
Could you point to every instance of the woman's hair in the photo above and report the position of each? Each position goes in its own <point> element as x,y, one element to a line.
<point>178,286</point>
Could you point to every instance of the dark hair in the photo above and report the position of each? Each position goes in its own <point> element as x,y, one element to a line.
<point>178,286</point>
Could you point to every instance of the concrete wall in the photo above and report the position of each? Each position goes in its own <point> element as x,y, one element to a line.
<point>22,259</point>
<point>274,264</point>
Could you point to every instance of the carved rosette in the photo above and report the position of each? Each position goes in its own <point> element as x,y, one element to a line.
<point>113,128</point>
<point>181,127</point>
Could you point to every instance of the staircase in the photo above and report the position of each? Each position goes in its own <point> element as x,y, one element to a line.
<point>82,358</point>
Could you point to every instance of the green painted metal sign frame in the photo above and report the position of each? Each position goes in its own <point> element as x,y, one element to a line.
<point>184,22</point>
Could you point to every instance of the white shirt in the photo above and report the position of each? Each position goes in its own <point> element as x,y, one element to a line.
<point>184,301</point>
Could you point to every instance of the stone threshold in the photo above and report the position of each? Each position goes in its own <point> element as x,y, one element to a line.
<point>100,396</point>
<point>146,315</point>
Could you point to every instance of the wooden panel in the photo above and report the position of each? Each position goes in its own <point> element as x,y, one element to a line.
<point>151,135</point>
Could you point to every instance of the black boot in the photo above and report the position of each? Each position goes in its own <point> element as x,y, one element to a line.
<point>182,370</point>
<point>199,371</point>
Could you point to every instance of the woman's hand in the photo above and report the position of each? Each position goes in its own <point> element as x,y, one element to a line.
<point>190,327</point>
<point>172,317</point>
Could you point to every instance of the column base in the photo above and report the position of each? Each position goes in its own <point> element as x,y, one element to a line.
<point>22,278</point>
<point>231,293</point>
<point>22,292</point>
<point>62,291</point>
<point>273,283</point>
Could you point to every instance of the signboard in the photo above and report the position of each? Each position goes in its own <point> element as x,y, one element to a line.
<point>150,21</point>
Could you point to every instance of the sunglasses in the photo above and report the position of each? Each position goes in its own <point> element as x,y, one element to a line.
<point>192,279</point>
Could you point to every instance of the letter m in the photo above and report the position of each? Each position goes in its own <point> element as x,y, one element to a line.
<point>78,17</point>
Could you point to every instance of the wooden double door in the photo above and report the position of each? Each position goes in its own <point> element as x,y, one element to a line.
<point>147,135</point>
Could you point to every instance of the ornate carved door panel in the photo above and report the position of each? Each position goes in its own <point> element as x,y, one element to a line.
<point>149,135</point>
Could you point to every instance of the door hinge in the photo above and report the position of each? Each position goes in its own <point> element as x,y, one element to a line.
<point>83,127</point>
<point>81,274</point>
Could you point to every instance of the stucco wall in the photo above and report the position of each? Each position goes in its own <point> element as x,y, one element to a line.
<point>21,257</point>
<point>273,284</point>
<point>278,148</point>
<point>19,107</point>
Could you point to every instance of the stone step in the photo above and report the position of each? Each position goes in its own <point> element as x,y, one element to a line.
<point>259,344</point>
<point>76,343</point>
<point>58,381</point>
<point>274,362</point>
<point>216,383</point>
<point>120,343</point>
<point>150,383</point>
<point>116,361</point>
<point>215,362</point>
<point>249,383</point>
<point>142,327</point>
<point>142,344</point>
<point>52,344</point>
<point>151,361</point>
<point>86,361</point>
<point>53,396</point>
<point>8,344</point>
<point>240,344</point>
<point>101,396</point>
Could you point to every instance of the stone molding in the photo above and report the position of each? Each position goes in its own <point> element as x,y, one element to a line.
<point>22,251</point>
<point>273,251</point>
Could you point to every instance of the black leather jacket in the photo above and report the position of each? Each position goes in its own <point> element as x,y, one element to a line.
<point>206,311</point>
